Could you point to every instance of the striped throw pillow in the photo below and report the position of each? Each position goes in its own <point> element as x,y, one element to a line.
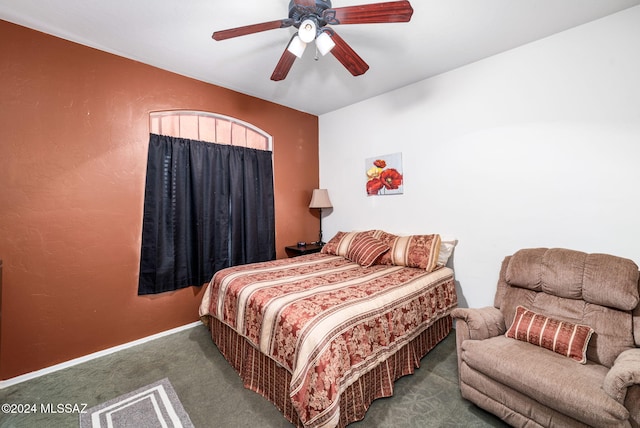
<point>562,337</point>
<point>365,250</point>
<point>340,244</point>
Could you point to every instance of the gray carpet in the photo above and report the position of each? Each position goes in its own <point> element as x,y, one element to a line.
<point>213,396</point>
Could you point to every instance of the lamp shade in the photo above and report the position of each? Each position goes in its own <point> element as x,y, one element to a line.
<point>297,46</point>
<point>324,43</point>
<point>320,199</point>
<point>307,31</point>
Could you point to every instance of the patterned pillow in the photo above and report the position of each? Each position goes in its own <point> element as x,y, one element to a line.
<point>419,251</point>
<point>339,245</point>
<point>389,239</point>
<point>331,247</point>
<point>365,250</point>
<point>563,337</point>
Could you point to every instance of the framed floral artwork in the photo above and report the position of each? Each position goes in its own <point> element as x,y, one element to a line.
<point>384,175</point>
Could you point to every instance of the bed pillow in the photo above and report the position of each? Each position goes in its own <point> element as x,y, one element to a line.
<point>339,245</point>
<point>562,337</point>
<point>446,249</point>
<point>331,247</point>
<point>419,251</point>
<point>389,239</point>
<point>365,250</point>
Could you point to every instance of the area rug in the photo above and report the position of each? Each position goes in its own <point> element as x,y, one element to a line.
<point>155,405</point>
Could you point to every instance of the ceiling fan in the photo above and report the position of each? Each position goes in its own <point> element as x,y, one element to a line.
<point>311,18</point>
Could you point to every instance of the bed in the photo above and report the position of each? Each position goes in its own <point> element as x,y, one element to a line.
<point>323,335</point>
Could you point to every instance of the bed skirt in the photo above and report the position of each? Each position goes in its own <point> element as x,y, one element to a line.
<point>266,377</point>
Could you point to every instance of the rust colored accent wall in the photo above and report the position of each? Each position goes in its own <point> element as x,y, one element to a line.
<point>74,136</point>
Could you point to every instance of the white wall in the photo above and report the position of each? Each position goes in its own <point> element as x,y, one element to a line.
<point>535,147</point>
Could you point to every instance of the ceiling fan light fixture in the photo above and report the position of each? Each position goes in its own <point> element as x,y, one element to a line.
<point>307,31</point>
<point>296,46</point>
<point>324,43</point>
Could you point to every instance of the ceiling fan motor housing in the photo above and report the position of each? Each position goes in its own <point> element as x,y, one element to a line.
<point>298,13</point>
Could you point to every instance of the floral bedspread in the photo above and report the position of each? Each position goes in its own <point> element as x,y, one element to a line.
<point>327,320</point>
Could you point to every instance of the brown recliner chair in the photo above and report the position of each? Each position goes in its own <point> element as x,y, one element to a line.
<point>567,299</point>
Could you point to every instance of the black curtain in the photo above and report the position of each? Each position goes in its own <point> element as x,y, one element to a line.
<point>206,207</point>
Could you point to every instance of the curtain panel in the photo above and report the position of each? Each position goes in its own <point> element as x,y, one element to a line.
<point>206,207</point>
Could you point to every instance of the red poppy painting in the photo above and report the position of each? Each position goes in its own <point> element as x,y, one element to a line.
<point>384,175</point>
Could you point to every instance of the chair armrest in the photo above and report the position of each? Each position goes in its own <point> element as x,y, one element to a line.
<point>624,373</point>
<point>482,323</point>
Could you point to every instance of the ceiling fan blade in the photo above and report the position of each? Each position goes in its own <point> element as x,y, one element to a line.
<point>375,13</point>
<point>284,65</point>
<point>347,56</point>
<point>250,29</point>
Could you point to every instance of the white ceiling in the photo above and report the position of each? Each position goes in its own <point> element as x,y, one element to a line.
<point>176,35</point>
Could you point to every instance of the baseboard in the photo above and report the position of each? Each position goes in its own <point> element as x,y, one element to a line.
<point>80,360</point>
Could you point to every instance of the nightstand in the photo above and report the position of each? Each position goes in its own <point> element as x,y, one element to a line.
<point>294,250</point>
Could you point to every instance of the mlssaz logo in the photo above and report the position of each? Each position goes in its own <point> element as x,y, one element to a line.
<point>63,408</point>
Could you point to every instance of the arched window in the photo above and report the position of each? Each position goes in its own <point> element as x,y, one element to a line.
<point>206,206</point>
<point>211,127</point>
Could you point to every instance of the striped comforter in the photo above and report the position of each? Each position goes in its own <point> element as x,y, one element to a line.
<point>326,319</point>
